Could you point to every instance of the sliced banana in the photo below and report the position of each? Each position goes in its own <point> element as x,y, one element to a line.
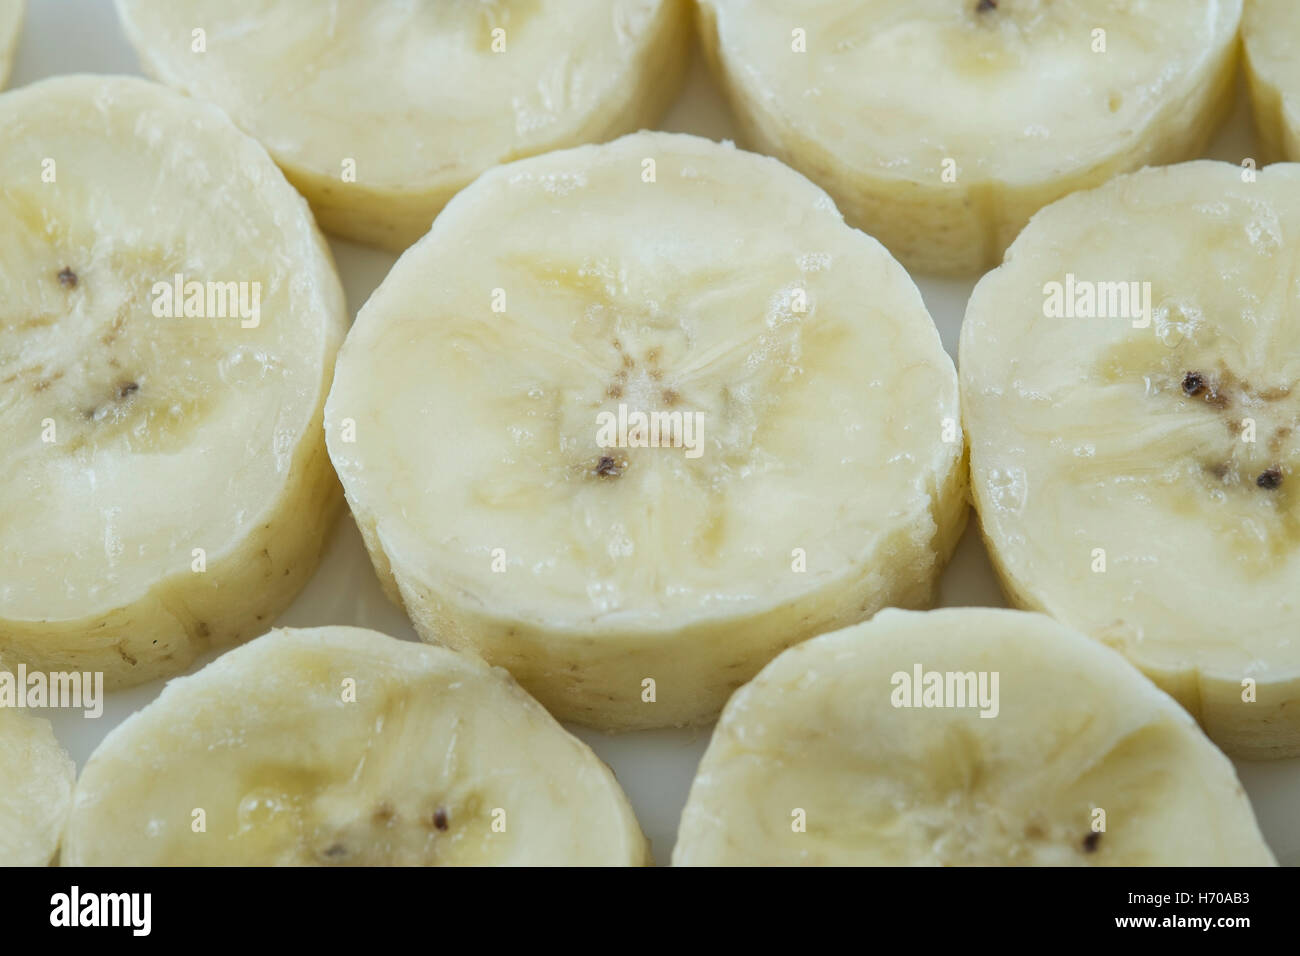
<point>970,736</point>
<point>380,112</point>
<point>164,485</point>
<point>11,24</point>
<point>941,126</point>
<point>36,778</point>
<point>341,746</point>
<point>1138,477</point>
<point>1271,30</point>
<point>482,421</point>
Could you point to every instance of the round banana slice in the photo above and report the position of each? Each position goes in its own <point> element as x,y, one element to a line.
<point>169,320</point>
<point>941,126</point>
<point>1131,385</point>
<point>632,419</point>
<point>36,778</point>
<point>341,746</point>
<point>1271,30</point>
<point>11,24</point>
<point>380,112</point>
<point>963,737</point>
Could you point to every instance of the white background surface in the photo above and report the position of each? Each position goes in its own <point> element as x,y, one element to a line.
<point>655,767</point>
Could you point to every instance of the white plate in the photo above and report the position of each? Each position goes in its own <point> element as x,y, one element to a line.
<point>655,767</point>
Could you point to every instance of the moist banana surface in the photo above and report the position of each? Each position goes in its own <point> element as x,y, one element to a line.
<point>169,317</point>
<point>341,746</point>
<point>379,112</point>
<point>941,126</point>
<point>633,418</point>
<point>961,737</point>
<point>1131,387</point>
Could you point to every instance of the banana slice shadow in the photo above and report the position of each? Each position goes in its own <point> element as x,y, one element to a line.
<point>1270,31</point>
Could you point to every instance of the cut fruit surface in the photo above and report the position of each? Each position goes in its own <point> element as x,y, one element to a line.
<point>941,126</point>
<point>1023,743</point>
<point>341,746</point>
<point>807,468</point>
<point>1131,385</point>
<point>379,112</point>
<point>169,316</point>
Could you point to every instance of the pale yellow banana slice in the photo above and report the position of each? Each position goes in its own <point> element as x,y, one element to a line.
<point>341,746</point>
<point>1131,385</point>
<point>941,126</point>
<point>164,484</point>
<point>481,420</point>
<point>379,111</point>
<point>11,24</point>
<point>1271,30</point>
<point>967,736</point>
<point>36,777</point>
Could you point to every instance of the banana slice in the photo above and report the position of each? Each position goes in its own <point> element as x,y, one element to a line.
<point>36,778</point>
<point>164,484</point>
<point>338,745</point>
<point>941,126</point>
<point>380,112</point>
<point>870,746</point>
<point>632,572</point>
<point>1271,30</point>
<point>11,24</point>
<point>1131,385</point>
